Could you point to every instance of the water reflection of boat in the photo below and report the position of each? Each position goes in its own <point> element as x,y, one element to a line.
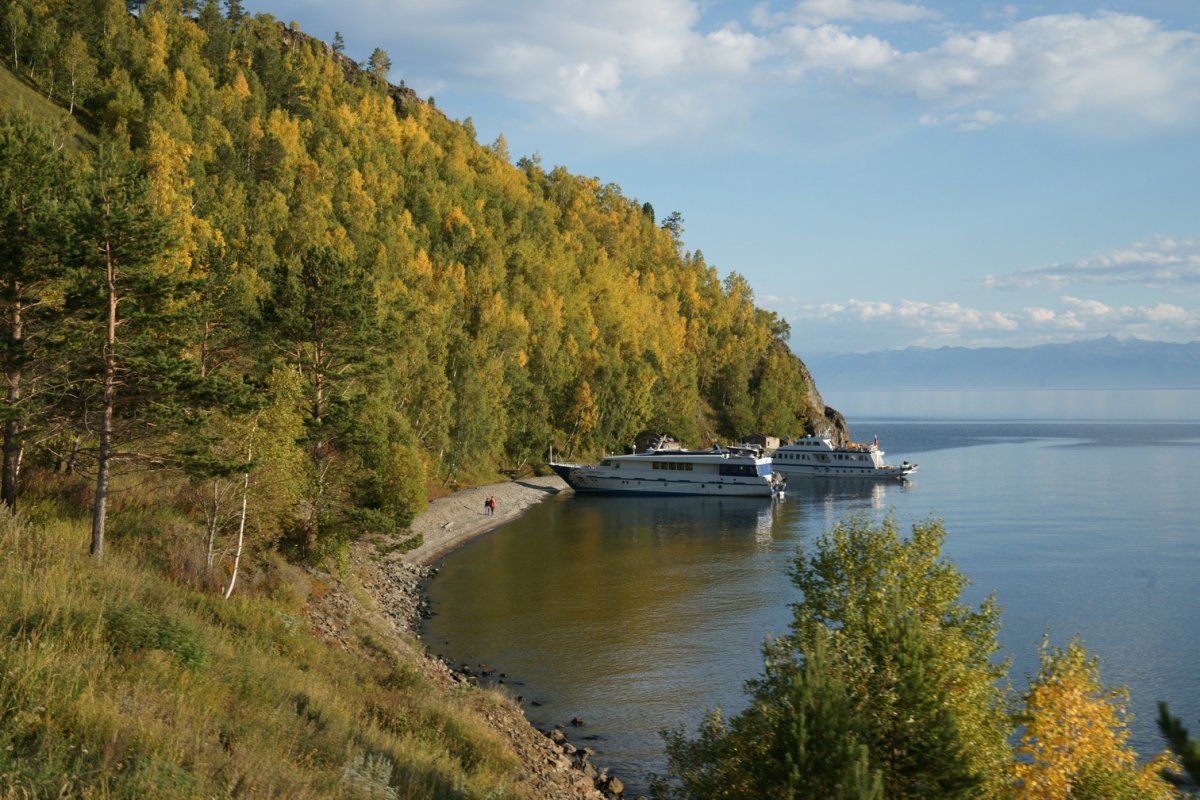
<point>667,515</point>
<point>819,457</point>
<point>668,471</point>
<point>838,491</point>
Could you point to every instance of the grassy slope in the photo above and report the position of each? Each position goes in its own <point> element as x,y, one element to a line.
<point>117,681</point>
<point>17,95</point>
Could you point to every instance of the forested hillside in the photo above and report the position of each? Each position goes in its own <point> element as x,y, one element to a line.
<point>270,279</point>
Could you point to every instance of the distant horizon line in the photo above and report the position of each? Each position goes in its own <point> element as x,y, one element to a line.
<point>1106,337</point>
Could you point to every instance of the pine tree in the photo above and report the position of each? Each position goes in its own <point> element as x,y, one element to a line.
<point>883,685</point>
<point>920,748</point>
<point>853,582</point>
<point>324,316</point>
<point>123,299</point>
<point>1185,748</point>
<point>817,740</point>
<point>379,65</point>
<point>35,188</point>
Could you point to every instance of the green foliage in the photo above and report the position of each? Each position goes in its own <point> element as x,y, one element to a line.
<point>802,743</point>
<point>129,630</point>
<point>1185,748</point>
<point>854,583</point>
<point>885,677</point>
<point>35,201</point>
<point>378,65</point>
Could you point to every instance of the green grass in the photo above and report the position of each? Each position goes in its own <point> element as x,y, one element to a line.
<point>117,681</point>
<point>17,95</point>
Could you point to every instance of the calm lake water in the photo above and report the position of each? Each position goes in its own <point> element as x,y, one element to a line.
<point>1077,509</point>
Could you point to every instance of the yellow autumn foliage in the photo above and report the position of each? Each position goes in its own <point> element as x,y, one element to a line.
<point>1075,741</point>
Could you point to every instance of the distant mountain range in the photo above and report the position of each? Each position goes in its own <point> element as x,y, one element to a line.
<point>1107,363</point>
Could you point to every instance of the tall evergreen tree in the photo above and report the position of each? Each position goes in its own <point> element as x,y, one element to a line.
<point>124,296</point>
<point>323,317</point>
<point>920,749</point>
<point>816,743</point>
<point>35,184</point>
<point>1185,748</point>
<point>378,65</point>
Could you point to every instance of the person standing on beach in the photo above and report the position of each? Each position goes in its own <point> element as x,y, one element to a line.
<point>491,501</point>
<point>487,506</point>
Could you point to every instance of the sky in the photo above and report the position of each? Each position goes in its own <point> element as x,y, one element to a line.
<point>884,173</point>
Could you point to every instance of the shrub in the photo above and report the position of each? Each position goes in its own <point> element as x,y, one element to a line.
<point>132,629</point>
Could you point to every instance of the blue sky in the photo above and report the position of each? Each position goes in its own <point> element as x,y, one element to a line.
<point>884,173</point>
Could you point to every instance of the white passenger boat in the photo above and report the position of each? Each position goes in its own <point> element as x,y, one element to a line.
<point>819,457</point>
<point>661,471</point>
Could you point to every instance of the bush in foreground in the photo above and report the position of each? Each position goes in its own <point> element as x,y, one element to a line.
<point>886,686</point>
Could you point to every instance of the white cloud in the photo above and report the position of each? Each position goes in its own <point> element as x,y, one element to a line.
<point>968,121</point>
<point>628,61</point>
<point>944,317</point>
<point>734,50</point>
<point>1117,67</point>
<point>914,322</point>
<point>1088,308</point>
<point>829,47</point>
<point>818,12</point>
<point>1159,263</point>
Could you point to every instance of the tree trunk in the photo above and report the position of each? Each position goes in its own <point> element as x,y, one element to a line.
<point>318,450</point>
<point>69,469</point>
<point>100,509</point>
<point>12,427</point>
<point>237,556</point>
<point>214,515</point>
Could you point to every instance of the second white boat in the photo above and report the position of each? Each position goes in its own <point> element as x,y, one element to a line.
<point>819,457</point>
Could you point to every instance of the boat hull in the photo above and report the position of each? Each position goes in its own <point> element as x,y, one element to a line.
<point>594,479</point>
<point>825,472</point>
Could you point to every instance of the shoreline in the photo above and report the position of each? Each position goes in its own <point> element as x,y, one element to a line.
<point>557,769</point>
<point>452,521</point>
